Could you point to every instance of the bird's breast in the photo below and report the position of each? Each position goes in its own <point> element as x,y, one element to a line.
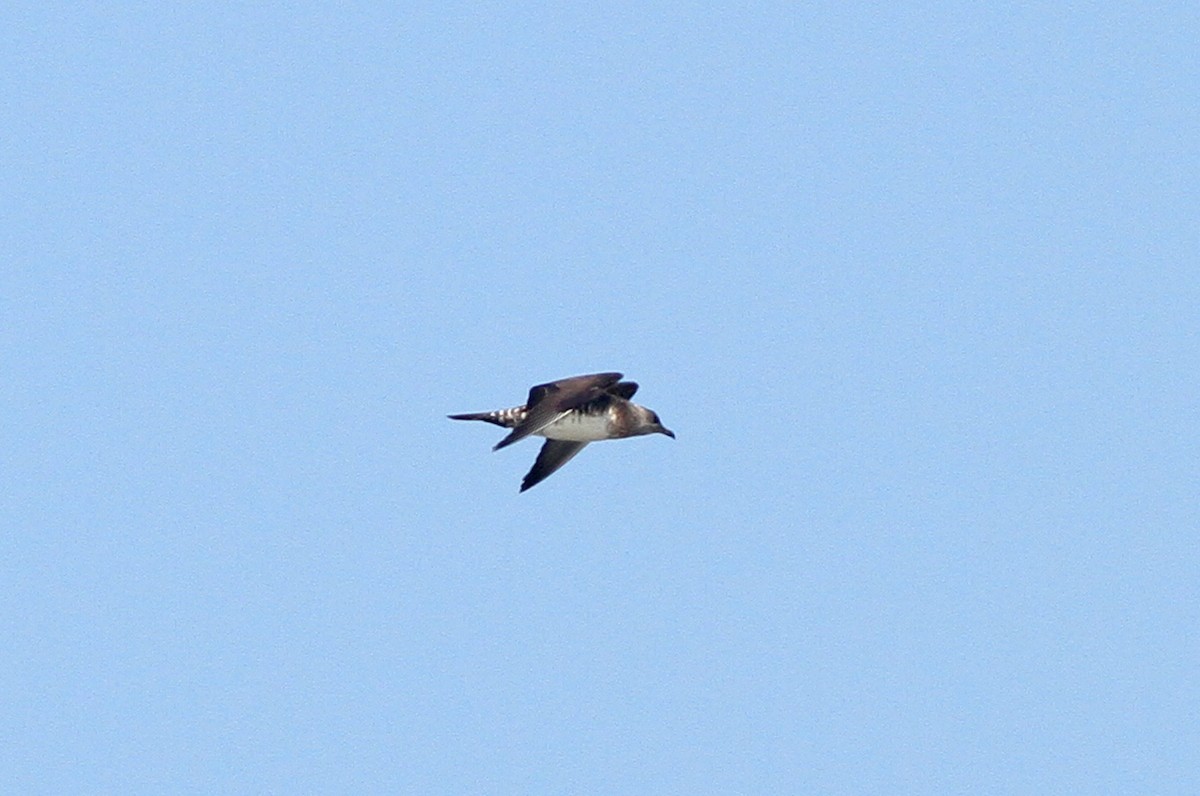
<point>579,427</point>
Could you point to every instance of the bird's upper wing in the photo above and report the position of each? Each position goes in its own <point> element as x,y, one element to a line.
<point>625,389</point>
<point>554,454</point>
<point>547,402</point>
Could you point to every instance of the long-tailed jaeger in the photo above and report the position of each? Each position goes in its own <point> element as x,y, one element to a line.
<point>570,413</point>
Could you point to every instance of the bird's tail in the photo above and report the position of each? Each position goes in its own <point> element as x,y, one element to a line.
<point>505,418</point>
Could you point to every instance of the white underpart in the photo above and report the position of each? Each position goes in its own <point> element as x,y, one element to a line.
<point>577,427</point>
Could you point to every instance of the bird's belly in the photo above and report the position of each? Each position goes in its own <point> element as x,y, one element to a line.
<point>577,428</point>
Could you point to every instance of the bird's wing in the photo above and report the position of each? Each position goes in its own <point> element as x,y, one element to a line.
<point>554,454</point>
<point>547,402</point>
<point>625,389</point>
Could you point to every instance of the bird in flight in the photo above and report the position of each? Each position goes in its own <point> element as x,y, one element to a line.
<point>570,413</point>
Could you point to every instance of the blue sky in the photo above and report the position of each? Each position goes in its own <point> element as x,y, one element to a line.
<point>916,286</point>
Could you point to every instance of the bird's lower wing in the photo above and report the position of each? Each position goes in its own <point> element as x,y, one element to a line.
<point>554,454</point>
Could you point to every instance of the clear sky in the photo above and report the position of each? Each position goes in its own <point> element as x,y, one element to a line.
<point>916,285</point>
